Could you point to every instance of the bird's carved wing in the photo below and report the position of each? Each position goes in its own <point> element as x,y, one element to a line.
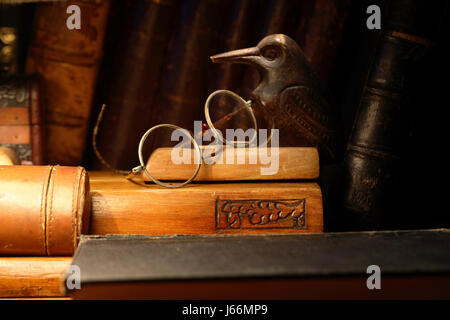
<point>310,112</point>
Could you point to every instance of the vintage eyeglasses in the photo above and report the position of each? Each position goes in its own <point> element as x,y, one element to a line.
<point>223,109</point>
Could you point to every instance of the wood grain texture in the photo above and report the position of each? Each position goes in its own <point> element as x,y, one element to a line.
<point>293,163</point>
<point>32,276</point>
<point>121,206</point>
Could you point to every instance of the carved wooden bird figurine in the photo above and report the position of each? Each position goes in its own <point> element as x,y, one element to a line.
<point>289,93</point>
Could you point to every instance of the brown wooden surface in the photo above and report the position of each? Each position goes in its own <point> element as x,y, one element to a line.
<point>120,206</point>
<point>32,276</point>
<point>294,163</point>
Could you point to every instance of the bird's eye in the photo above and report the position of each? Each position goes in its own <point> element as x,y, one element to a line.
<point>271,52</point>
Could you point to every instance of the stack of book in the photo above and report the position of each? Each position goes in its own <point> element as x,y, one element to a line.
<point>59,204</point>
<point>224,198</point>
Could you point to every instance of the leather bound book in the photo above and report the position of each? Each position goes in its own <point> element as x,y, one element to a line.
<point>381,130</point>
<point>240,26</point>
<point>184,83</point>
<point>67,61</point>
<point>320,33</point>
<point>121,206</point>
<point>132,82</point>
<point>21,114</point>
<point>43,209</point>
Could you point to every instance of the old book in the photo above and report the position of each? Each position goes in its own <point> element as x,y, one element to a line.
<point>67,61</point>
<point>320,33</point>
<point>43,209</point>
<point>184,82</point>
<point>32,277</point>
<point>21,113</point>
<point>131,75</point>
<point>414,264</point>
<point>354,60</point>
<point>121,206</point>
<point>382,127</point>
<point>291,163</point>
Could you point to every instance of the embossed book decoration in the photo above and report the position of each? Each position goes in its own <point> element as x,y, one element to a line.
<point>261,214</point>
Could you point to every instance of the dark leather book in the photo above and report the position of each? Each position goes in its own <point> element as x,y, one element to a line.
<point>413,264</point>
<point>381,133</point>
<point>131,75</point>
<point>320,33</point>
<point>21,114</point>
<point>67,61</point>
<point>274,16</point>
<point>240,26</point>
<point>184,83</point>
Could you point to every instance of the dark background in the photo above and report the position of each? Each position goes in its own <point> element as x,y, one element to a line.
<point>422,190</point>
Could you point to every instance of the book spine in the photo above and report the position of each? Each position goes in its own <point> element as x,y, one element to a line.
<point>67,61</point>
<point>136,70</point>
<point>36,122</point>
<point>20,118</point>
<point>124,207</point>
<point>184,83</point>
<point>320,33</point>
<point>383,122</point>
<point>237,34</point>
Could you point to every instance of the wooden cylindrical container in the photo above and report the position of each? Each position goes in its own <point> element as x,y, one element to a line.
<point>43,209</point>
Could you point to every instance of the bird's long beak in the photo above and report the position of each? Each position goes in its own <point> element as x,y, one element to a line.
<point>247,55</point>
